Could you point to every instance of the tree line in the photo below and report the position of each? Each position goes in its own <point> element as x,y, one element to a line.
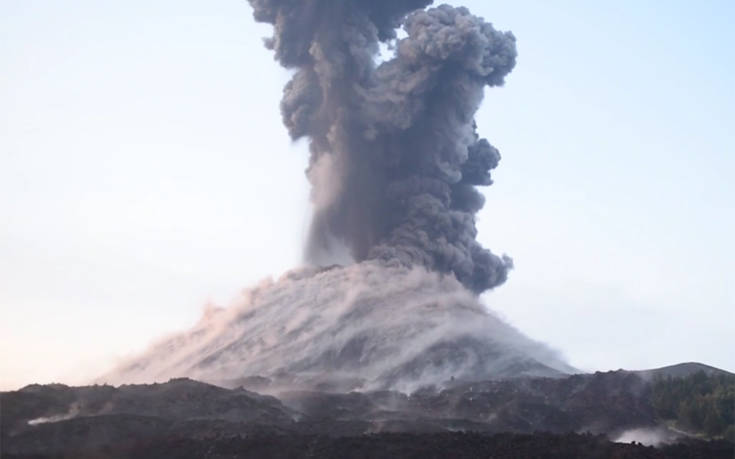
<point>699,403</point>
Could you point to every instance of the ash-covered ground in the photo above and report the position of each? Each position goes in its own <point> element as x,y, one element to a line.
<point>595,415</point>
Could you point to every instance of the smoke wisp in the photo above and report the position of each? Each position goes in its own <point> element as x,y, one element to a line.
<point>395,156</point>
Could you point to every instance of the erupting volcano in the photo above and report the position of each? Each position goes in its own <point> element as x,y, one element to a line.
<point>389,297</point>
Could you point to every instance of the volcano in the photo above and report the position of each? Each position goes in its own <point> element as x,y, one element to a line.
<point>361,327</point>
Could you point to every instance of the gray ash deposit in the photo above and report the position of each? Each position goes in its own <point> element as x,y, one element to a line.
<point>364,326</point>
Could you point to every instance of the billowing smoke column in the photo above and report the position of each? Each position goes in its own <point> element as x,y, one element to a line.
<point>394,164</point>
<point>395,156</point>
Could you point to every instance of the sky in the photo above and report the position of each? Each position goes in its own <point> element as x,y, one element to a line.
<point>145,173</point>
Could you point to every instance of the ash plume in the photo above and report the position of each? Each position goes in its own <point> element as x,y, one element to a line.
<point>395,156</point>
<point>395,159</point>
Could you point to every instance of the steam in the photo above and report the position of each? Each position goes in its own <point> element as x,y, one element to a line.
<point>395,156</point>
<point>649,436</point>
<point>72,413</point>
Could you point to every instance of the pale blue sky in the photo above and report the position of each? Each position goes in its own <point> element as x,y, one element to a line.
<point>144,171</point>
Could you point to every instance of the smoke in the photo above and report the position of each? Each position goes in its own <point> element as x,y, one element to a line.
<point>395,156</point>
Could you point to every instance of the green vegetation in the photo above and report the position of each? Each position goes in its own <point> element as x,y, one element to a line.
<point>699,403</point>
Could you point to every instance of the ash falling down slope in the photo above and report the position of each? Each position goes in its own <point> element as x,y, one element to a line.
<point>365,327</point>
<point>395,159</point>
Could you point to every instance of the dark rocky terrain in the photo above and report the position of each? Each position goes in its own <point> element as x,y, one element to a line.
<point>579,416</point>
<point>425,446</point>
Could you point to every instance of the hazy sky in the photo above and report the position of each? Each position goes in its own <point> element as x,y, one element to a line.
<point>144,172</point>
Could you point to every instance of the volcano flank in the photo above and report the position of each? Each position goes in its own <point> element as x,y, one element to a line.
<point>360,327</point>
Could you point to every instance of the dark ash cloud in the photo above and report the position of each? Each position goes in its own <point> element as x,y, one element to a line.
<point>395,156</point>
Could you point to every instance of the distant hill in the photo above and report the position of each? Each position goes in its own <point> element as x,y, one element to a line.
<point>681,370</point>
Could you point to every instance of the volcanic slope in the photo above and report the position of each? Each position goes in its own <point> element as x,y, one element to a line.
<point>363,327</point>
